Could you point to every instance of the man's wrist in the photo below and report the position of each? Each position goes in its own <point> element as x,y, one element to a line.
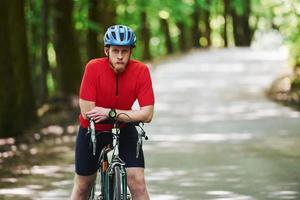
<point>112,114</point>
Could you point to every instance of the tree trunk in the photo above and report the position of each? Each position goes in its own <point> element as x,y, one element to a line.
<point>165,28</point>
<point>34,38</point>
<point>241,28</point>
<point>226,12</point>
<point>17,108</point>
<point>145,36</point>
<point>93,47</point>
<point>182,37</point>
<point>44,52</point>
<point>238,35</point>
<point>18,42</point>
<point>107,18</point>
<point>247,29</point>
<point>102,14</point>
<point>207,24</point>
<point>66,48</point>
<point>195,27</point>
<point>8,94</point>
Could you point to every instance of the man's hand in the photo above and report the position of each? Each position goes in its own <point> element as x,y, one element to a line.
<point>98,114</point>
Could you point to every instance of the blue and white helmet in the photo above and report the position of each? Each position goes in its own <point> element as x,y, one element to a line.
<point>119,35</point>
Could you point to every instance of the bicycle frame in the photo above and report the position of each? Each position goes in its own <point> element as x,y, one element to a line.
<point>106,168</point>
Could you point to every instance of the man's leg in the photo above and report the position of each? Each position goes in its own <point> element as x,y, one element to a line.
<point>137,183</point>
<point>82,187</point>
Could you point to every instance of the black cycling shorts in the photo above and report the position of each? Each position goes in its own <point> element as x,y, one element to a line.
<point>86,162</point>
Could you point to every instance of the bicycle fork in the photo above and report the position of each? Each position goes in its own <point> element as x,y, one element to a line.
<point>109,180</point>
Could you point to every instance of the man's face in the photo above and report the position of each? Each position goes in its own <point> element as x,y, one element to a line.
<point>118,57</point>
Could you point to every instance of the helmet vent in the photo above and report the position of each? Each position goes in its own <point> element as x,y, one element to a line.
<point>121,36</point>
<point>128,36</point>
<point>114,35</point>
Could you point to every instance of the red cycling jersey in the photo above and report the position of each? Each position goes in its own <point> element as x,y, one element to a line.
<point>100,84</point>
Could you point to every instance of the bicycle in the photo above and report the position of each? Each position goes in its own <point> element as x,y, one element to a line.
<point>112,176</point>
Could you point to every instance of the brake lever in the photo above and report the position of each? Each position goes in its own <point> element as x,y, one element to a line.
<point>141,135</point>
<point>91,130</point>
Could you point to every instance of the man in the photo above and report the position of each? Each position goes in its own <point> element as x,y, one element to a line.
<point>112,84</point>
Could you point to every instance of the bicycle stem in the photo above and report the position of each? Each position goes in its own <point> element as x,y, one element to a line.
<point>115,131</point>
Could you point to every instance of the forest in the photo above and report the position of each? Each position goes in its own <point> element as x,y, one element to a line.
<point>45,44</point>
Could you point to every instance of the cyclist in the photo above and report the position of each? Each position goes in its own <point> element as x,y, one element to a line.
<point>110,86</point>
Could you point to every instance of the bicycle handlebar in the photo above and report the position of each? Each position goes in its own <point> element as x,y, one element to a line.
<point>141,133</point>
<point>111,121</point>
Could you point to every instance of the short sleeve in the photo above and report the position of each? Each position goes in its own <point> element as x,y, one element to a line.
<point>88,83</point>
<point>145,90</point>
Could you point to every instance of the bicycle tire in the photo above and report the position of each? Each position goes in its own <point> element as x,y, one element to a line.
<point>117,184</point>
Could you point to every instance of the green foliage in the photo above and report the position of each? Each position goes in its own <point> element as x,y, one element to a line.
<point>287,19</point>
<point>80,13</point>
<point>296,83</point>
<point>238,6</point>
<point>282,15</point>
<point>271,13</point>
<point>295,51</point>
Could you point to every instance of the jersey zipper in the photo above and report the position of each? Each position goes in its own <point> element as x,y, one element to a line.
<point>117,85</point>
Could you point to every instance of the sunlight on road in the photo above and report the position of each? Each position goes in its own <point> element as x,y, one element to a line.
<point>26,191</point>
<point>205,137</point>
<point>227,195</point>
<point>164,197</point>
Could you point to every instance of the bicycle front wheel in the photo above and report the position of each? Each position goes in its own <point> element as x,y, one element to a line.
<point>117,184</point>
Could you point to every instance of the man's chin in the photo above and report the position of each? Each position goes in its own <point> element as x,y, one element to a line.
<point>119,69</point>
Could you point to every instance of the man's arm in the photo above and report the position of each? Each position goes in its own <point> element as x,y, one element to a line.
<point>145,114</point>
<point>85,106</point>
<point>99,114</point>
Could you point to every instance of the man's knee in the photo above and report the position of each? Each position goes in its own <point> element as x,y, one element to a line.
<point>82,185</point>
<point>136,183</point>
<point>83,188</point>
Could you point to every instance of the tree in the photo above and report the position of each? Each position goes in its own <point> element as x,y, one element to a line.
<point>226,13</point>
<point>180,9</point>
<point>145,36</point>
<point>240,19</point>
<point>94,13</point>
<point>33,12</point>
<point>101,15</point>
<point>107,18</point>
<point>17,107</point>
<point>182,37</point>
<point>43,90</point>
<point>8,98</point>
<point>196,34</point>
<point>66,48</point>
<point>164,15</point>
<point>206,20</point>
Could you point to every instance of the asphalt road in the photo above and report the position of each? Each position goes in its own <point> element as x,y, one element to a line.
<point>215,135</point>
